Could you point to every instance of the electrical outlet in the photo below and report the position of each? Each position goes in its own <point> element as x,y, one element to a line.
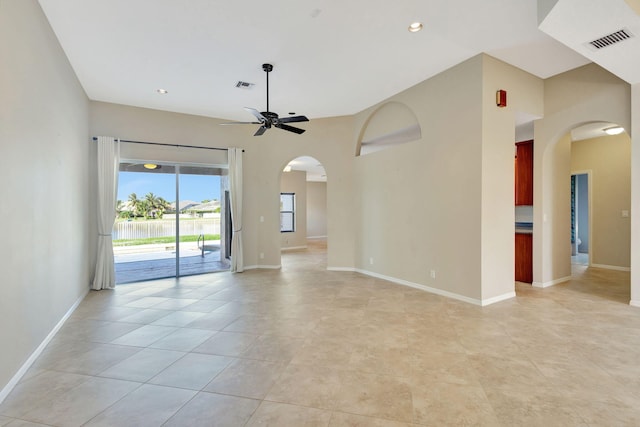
<point>371,261</point>
<point>261,255</point>
<point>433,274</point>
<point>625,214</point>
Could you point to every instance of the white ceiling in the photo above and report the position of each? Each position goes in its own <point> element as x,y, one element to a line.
<point>590,130</point>
<point>315,170</point>
<point>595,19</point>
<point>330,57</point>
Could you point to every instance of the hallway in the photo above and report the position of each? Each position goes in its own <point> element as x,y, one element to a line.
<point>307,346</point>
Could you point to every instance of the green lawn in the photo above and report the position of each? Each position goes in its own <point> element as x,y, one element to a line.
<point>161,240</point>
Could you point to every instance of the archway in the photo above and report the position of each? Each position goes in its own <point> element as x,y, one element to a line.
<point>583,148</point>
<point>303,206</point>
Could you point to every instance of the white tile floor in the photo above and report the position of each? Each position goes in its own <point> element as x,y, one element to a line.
<point>308,347</point>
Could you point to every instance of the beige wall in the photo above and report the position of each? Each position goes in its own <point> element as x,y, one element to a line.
<point>44,159</point>
<point>609,161</point>
<point>316,209</point>
<point>445,202</point>
<point>418,203</point>
<point>524,95</point>
<point>330,141</point>
<point>635,195</point>
<point>295,182</point>
<point>579,96</point>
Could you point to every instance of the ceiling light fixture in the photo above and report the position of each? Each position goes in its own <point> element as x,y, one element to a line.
<point>150,166</point>
<point>162,91</point>
<point>415,27</point>
<point>615,130</point>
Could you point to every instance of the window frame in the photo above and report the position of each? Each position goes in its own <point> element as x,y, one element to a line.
<point>292,212</point>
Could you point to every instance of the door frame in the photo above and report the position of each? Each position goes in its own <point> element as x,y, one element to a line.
<point>589,174</point>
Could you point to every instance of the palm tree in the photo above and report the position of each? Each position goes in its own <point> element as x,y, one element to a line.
<point>153,205</point>
<point>134,203</point>
<point>162,206</point>
<point>120,209</point>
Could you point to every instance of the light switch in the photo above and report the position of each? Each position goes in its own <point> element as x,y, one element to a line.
<point>261,218</point>
<point>625,214</point>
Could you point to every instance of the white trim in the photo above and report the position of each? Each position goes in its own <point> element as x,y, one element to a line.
<point>611,267</point>
<point>422,287</point>
<point>317,237</point>
<point>499,298</point>
<point>550,283</point>
<point>271,267</point>
<point>429,289</point>
<point>293,248</point>
<point>38,351</point>
<point>632,303</point>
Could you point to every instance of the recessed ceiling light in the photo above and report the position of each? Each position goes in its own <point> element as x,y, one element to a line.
<point>415,27</point>
<point>615,130</point>
<point>162,91</point>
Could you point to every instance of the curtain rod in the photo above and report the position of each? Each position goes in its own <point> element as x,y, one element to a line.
<point>170,145</point>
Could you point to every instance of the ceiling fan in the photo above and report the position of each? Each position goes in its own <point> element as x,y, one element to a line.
<point>268,119</point>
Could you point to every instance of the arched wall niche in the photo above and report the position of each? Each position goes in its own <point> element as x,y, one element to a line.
<point>391,124</point>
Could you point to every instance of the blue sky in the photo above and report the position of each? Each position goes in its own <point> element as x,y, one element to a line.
<point>192,187</point>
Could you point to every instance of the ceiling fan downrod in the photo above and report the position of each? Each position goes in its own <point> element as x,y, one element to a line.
<point>267,69</point>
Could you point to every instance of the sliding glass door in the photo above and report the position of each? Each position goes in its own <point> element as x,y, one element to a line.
<point>169,221</point>
<point>199,249</point>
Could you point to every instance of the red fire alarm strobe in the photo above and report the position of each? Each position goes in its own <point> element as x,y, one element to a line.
<point>501,98</point>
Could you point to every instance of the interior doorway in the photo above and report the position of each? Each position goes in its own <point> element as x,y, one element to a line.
<point>303,206</point>
<point>580,220</point>
<point>170,221</point>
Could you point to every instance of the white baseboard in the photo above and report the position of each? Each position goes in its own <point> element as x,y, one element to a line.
<point>422,287</point>
<point>634,303</point>
<point>316,237</point>
<point>270,267</point>
<point>550,283</point>
<point>437,291</point>
<point>341,269</point>
<point>503,297</point>
<point>292,248</point>
<point>38,351</point>
<point>611,267</point>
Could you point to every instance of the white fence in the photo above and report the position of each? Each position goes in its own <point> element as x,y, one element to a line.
<point>164,227</point>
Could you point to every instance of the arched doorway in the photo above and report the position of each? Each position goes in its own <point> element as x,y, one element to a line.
<point>303,207</point>
<point>586,149</point>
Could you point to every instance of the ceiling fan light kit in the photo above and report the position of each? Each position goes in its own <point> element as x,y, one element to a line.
<point>268,119</point>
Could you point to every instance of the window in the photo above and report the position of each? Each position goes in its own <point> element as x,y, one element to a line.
<point>287,212</point>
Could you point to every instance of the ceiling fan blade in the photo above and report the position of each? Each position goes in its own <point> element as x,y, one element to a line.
<point>289,128</point>
<point>293,119</point>
<point>260,131</point>
<point>257,114</point>
<point>240,123</point>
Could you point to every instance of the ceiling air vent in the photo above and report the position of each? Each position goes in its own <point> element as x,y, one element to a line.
<point>244,85</point>
<point>610,39</point>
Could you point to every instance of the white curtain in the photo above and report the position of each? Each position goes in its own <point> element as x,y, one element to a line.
<point>235,196</point>
<point>108,163</point>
